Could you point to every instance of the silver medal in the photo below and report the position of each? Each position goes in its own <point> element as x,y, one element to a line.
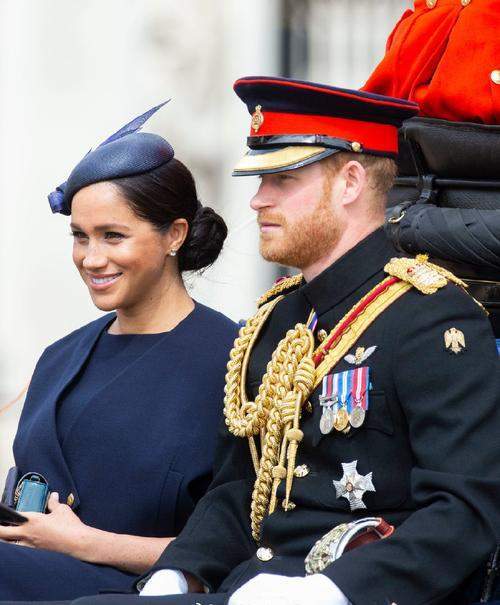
<point>327,420</point>
<point>357,417</point>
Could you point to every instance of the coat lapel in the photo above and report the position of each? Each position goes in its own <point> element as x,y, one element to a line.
<point>38,428</point>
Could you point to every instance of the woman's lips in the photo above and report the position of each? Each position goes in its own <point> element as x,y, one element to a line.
<point>102,282</point>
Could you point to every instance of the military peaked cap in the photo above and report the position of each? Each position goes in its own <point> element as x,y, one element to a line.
<point>295,123</point>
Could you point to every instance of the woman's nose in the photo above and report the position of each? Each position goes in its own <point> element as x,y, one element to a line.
<point>94,258</point>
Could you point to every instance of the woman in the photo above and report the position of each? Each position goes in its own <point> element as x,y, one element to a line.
<point>121,415</point>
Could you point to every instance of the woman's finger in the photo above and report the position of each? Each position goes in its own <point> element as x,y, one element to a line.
<point>9,534</point>
<point>53,502</point>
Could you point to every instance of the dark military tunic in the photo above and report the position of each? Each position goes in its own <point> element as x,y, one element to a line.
<point>430,438</point>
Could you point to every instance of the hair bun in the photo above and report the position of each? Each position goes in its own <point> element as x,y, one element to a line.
<point>205,240</point>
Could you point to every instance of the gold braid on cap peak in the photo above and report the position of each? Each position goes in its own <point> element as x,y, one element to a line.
<point>280,287</point>
<point>426,277</point>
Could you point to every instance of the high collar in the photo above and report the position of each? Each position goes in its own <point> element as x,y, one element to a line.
<point>349,272</point>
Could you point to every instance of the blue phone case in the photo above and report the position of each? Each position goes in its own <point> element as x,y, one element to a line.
<point>33,493</point>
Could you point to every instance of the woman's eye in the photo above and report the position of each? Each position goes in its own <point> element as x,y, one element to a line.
<point>113,235</point>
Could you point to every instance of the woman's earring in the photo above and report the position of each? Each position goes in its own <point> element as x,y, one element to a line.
<point>173,252</point>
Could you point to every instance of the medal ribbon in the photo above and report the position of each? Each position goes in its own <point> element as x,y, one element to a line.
<point>344,378</point>
<point>327,390</point>
<point>360,387</point>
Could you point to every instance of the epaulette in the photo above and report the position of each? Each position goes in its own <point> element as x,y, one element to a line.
<point>420,273</point>
<point>281,286</point>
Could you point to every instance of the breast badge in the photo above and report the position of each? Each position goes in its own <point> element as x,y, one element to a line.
<point>353,486</point>
<point>360,356</point>
<point>454,341</point>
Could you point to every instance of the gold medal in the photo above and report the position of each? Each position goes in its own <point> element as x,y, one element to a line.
<point>341,419</point>
<point>357,417</point>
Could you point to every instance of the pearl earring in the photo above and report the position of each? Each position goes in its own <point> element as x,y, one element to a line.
<point>173,252</point>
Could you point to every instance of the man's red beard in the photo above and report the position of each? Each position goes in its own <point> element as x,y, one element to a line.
<point>301,244</point>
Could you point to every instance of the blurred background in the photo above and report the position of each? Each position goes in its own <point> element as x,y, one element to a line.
<point>73,72</point>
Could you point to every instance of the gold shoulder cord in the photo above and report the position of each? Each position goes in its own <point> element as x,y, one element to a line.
<point>290,378</point>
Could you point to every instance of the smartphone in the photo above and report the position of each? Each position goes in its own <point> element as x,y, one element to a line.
<point>8,516</point>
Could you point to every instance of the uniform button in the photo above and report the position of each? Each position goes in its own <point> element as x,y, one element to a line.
<point>70,500</point>
<point>431,3</point>
<point>264,554</point>
<point>356,147</point>
<point>495,76</point>
<point>322,334</point>
<point>465,2</point>
<point>301,471</point>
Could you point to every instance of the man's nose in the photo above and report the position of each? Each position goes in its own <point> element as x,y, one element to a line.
<point>263,197</point>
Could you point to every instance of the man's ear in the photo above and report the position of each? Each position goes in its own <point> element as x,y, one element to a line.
<point>355,179</point>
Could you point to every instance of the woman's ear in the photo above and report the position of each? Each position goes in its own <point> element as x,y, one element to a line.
<point>355,181</point>
<point>176,235</point>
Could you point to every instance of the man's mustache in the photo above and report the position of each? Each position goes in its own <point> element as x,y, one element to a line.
<point>271,219</point>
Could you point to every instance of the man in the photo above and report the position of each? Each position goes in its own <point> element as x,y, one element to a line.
<point>367,388</point>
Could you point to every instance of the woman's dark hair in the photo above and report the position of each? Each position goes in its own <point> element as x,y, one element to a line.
<point>167,193</point>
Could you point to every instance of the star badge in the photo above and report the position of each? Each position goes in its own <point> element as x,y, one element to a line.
<point>353,486</point>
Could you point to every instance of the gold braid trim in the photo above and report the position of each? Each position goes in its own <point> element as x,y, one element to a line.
<point>420,273</point>
<point>285,284</point>
<point>285,386</point>
<point>358,326</point>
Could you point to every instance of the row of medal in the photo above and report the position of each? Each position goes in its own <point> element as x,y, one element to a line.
<point>344,400</point>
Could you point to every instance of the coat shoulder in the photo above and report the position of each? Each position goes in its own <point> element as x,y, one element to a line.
<point>73,337</point>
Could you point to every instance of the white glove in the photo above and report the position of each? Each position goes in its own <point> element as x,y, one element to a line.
<point>165,582</point>
<point>269,589</point>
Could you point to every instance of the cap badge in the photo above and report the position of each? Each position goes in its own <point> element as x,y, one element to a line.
<point>454,341</point>
<point>257,118</point>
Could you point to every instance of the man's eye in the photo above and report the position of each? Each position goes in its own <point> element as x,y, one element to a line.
<point>113,235</point>
<point>78,234</point>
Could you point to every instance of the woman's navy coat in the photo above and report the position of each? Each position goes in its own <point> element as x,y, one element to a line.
<point>138,457</point>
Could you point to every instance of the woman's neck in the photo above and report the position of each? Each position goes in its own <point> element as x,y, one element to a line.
<point>159,313</point>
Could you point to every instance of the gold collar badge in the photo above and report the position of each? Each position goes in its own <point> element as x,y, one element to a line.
<point>257,118</point>
<point>454,340</point>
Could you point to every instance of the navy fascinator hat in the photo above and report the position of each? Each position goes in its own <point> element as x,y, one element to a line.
<point>125,153</point>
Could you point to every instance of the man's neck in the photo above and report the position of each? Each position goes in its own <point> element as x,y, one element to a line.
<point>347,241</point>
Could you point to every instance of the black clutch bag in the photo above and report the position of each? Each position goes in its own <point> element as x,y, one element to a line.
<point>9,516</point>
<point>9,492</point>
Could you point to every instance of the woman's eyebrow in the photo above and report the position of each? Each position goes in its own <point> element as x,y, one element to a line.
<point>104,227</point>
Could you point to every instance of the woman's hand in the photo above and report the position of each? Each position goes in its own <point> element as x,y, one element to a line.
<point>59,530</point>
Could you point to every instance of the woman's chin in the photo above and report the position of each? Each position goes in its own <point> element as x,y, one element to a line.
<point>105,303</point>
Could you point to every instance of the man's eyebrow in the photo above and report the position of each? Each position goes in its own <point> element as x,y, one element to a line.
<point>104,227</point>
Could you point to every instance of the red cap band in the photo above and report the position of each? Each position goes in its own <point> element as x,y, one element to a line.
<point>373,136</point>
